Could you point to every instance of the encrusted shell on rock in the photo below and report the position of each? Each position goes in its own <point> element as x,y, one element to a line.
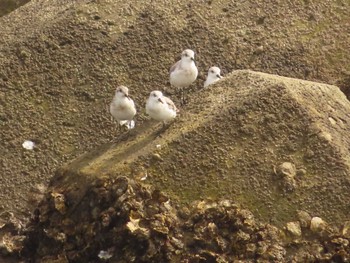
<point>304,219</point>
<point>294,228</point>
<point>59,202</point>
<point>317,224</point>
<point>346,229</point>
<point>286,169</point>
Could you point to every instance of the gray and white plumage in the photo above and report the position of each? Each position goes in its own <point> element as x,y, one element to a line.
<point>184,72</point>
<point>213,76</point>
<point>159,107</point>
<point>123,107</point>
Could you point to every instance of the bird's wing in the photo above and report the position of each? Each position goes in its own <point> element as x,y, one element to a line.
<point>177,64</point>
<point>132,101</point>
<point>170,104</point>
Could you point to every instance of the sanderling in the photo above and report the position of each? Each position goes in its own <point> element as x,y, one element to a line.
<point>213,76</point>
<point>160,108</point>
<point>184,72</point>
<point>122,107</point>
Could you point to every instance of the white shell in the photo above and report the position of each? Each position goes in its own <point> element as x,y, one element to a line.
<point>104,255</point>
<point>29,145</point>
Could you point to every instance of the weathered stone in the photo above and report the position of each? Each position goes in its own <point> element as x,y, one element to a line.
<point>246,114</point>
<point>286,169</point>
<point>340,241</point>
<point>204,140</point>
<point>317,224</point>
<point>59,202</point>
<point>346,229</point>
<point>223,144</point>
<point>304,219</point>
<point>294,228</point>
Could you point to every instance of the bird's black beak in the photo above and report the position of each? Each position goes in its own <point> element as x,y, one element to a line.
<point>192,59</point>
<point>160,100</point>
<point>219,76</point>
<point>126,95</point>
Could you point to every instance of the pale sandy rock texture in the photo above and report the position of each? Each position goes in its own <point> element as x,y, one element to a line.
<point>61,60</point>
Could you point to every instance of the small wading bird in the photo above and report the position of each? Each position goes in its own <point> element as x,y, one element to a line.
<point>184,72</point>
<point>123,108</point>
<point>213,76</point>
<point>160,108</point>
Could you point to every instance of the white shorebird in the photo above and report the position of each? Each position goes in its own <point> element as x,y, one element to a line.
<point>213,76</point>
<point>122,107</point>
<point>160,108</point>
<point>184,72</point>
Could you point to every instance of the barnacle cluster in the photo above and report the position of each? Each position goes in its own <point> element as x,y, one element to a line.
<point>120,220</point>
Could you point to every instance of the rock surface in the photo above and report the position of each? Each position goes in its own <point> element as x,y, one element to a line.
<point>317,225</point>
<point>229,138</point>
<point>60,62</point>
<point>294,228</point>
<point>6,6</point>
<point>189,171</point>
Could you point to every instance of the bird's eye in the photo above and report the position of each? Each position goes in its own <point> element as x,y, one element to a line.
<point>212,71</point>
<point>186,55</point>
<point>154,95</point>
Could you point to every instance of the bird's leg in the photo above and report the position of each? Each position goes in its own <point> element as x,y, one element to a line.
<point>123,131</point>
<point>121,127</point>
<point>162,129</point>
<point>126,126</point>
<point>130,124</point>
<point>183,101</point>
